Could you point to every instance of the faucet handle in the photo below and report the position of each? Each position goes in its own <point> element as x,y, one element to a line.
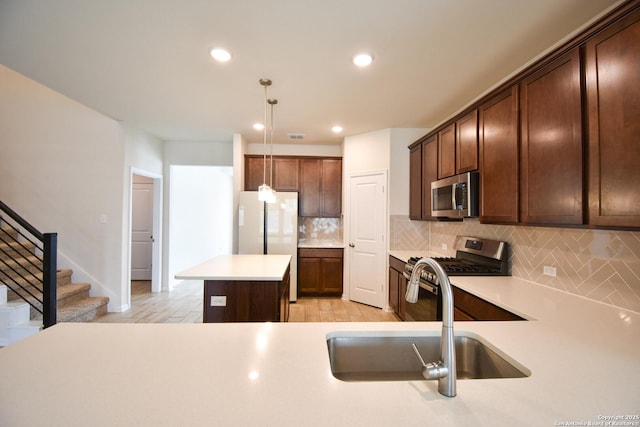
<point>432,370</point>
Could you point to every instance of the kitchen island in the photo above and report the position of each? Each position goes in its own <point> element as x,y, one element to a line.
<point>583,357</point>
<point>243,288</point>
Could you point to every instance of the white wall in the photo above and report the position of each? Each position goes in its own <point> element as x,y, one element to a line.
<point>399,168</point>
<point>201,216</point>
<point>187,153</point>
<point>144,154</point>
<point>239,149</point>
<point>61,168</point>
<point>296,150</point>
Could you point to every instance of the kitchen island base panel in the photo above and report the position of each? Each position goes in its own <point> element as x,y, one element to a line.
<point>246,301</point>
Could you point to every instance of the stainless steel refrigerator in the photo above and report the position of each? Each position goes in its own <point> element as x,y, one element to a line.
<point>279,219</point>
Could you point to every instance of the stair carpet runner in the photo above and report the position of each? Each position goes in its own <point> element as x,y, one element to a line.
<point>17,318</point>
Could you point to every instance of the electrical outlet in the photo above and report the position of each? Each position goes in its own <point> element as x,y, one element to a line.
<point>218,301</point>
<point>444,247</point>
<point>549,271</point>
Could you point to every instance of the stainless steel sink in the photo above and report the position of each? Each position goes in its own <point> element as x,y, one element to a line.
<point>389,357</point>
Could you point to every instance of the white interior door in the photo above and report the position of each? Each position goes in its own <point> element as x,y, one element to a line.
<point>367,237</point>
<point>141,230</point>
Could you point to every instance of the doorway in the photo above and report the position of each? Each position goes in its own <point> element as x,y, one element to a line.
<point>145,223</point>
<point>200,216</point>
<point>367,238</point>
<point>141,227</point>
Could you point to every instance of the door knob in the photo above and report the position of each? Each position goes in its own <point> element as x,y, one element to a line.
<point>351,245</point>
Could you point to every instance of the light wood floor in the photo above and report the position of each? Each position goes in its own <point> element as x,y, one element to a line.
<point>184,305</point>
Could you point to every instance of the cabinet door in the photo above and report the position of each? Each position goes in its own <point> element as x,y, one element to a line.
<point>415,182</point>
<point>447,151</point>
<point>331,196</point>
<point>331,276</point>
<point>429,174</point>
<point>402,303</point>
<point>310,187</point>
<point>551,158</point>
<point>308,276</point>
<point>613,101</point>
<point>394,289</point>
<point>499,159</point>
<point>286,174</point>
<point>467,143</point>
<point>320,271</point>
<point>253,172</point>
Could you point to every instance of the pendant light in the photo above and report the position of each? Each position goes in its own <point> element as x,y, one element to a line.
<point>264,191</point>
<point>271,197</point>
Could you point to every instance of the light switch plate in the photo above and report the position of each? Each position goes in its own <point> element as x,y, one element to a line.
<point>218,301</point>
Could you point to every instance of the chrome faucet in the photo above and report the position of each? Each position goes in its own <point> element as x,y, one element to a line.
<point>445,369</point>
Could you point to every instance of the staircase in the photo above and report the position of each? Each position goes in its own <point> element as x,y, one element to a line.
<point>19,319</point>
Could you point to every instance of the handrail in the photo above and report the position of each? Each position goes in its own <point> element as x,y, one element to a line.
<point>48,244</point>
<point>21,221</point>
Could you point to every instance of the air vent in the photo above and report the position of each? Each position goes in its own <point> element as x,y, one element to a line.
<point>296,135</point>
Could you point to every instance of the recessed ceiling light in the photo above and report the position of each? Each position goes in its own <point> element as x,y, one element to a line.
<point>258,126</point>
<point>336,129</point>
<point>363,59</point>
<point>220,54</point>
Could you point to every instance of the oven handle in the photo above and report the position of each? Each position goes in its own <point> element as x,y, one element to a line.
<point>424,285</point>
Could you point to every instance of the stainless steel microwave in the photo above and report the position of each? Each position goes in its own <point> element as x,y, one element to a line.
<point>455,197</point>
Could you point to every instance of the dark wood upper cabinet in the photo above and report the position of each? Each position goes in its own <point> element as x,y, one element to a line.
<point>499,158</point>
<point>429,173</point>
<point>320,187</point>
<point>254,174</point>
<point>318,179</point>
<point>551,136</point>
<point>467,143</point>
<point>415,182</point>
<point>331,188</point>
<point>612,69</point>
<point>447,151</point>
<point>286,174</point>
<point>558,142</point>
<point>311,186</point>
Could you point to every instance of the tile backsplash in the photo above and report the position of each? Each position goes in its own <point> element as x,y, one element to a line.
<point>602,265</point>
<point>321,229</point>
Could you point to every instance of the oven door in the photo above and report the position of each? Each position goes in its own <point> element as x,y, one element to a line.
<point>428,307</point>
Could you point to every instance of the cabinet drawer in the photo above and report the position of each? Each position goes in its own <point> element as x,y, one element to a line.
<point>396,264</point>
<point>478,309</point>
<point>320,252</point>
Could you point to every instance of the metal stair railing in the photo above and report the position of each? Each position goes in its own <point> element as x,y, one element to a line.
<point>34,276</point>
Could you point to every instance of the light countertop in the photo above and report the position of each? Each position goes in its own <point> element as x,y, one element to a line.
<point>584,359</point>
<point>320,243</point>
<point>239,267</point>
<point>405,255</point>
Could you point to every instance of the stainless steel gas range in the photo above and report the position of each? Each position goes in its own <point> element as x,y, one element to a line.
<point>474,257</point>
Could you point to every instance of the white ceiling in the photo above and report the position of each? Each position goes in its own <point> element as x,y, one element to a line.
<point>146,62</point>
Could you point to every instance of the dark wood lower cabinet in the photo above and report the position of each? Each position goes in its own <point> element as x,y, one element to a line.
<point>466,306</point>
<point>471,307</point>
<point>397,286</point>
<point>246,301</point>
<point>320,271</point>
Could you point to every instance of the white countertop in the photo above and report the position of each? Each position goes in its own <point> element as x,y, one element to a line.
<point>584,359</point>
<point>320,243</point>
<point>239,267</point>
